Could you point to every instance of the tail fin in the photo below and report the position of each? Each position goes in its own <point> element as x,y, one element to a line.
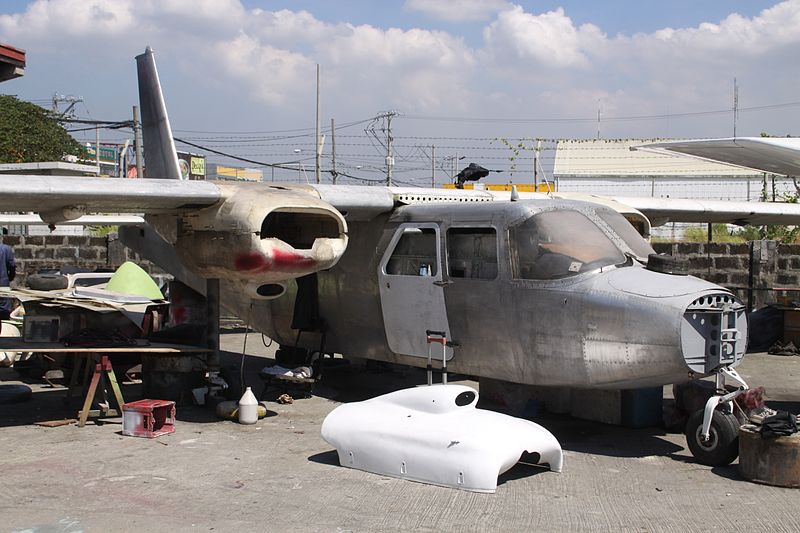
<point>159,147</point>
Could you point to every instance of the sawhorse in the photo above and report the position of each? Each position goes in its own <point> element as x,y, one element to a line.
<point>102,369</point>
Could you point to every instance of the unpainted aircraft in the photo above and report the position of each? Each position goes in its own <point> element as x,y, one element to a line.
<point>531,288</point>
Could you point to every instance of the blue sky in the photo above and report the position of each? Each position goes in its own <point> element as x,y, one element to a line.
<point>456,70</point>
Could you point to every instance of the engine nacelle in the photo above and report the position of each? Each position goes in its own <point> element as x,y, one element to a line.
<point>261,237</point>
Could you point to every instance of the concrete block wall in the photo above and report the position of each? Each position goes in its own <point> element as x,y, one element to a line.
<point>34,253</point>
<point>770,263</point>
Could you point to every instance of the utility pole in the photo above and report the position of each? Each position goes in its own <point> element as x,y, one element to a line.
<point>433,166</point>
<point>319,144</point>
<point>71,100</point>
<point>97,147</point>
<point>137,142</point>
<point>598,118</point>
<point>536,166</point>
<point>333,151</point>
<point>389,156</point>
<point>735,105</point>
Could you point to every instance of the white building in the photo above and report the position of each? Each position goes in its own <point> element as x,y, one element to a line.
<point>610,167</point>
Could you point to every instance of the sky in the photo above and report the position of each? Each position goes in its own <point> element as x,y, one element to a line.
<point>464,76</point>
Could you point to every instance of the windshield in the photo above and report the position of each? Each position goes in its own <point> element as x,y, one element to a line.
<point>627,232</point>
<point>559,244</point>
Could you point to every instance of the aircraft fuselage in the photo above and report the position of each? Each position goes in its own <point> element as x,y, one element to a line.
<point>534,292</point>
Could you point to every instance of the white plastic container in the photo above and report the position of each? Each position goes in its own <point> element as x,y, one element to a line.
<point>248,408</point>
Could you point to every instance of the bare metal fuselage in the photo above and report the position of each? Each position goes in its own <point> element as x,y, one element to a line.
<point>619,326</point>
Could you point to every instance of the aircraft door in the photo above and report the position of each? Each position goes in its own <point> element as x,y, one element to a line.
<point>411,289</point>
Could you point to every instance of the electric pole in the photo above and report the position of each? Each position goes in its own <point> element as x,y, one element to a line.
<point>333,152</point>
<point>433,166</point>
<point>137,142</point>
<point>319,143</point>
<point>389,156</point>
<point>735,105</point>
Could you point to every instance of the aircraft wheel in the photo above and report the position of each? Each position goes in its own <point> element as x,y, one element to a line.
<point>722,446</point>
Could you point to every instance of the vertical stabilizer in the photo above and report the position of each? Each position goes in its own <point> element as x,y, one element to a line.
<point>161,159</point>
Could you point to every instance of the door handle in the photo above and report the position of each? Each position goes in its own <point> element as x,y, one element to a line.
<point>442,283</point>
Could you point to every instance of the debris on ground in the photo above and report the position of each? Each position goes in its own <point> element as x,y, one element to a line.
<point>783,348</point>
<point>285,399</point>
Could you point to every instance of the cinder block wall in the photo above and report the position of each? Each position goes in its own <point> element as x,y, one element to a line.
<point>34,253</point>
<point>774,265</point>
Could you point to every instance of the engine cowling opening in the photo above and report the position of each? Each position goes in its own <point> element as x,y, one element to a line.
<point>299,229</point>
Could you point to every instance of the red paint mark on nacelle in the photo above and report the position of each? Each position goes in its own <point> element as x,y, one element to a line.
<point>256,262</point>
<point>281,260</point>
<point>251,262</point>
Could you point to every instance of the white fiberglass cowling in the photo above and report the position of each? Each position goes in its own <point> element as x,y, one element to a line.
<point>435,435</point>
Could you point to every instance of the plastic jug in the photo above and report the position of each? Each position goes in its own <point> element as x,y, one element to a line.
<point>248,408</point>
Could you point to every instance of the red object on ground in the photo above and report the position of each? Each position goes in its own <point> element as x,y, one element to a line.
<point>148,418</point>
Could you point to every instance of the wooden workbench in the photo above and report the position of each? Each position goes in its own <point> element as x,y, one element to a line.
<point>101,356</point>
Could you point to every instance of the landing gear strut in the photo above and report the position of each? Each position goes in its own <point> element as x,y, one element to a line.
<point>713,432</point>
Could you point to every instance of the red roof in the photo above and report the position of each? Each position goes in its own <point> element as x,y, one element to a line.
<point>12,62</point>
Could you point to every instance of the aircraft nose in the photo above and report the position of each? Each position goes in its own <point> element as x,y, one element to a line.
<point>713,332</point>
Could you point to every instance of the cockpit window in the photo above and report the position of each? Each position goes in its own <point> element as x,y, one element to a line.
<point>560,244</point>
<point>627,232</point>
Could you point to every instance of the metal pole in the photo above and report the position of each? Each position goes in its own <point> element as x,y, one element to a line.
<point>97,147</point>
<point>137,142</point>
<point>536,166</point>
<point>319,146</point>
<point>333,151</point>
<point>433,166</point>
<point>212,323</point>
<point>389,158</point>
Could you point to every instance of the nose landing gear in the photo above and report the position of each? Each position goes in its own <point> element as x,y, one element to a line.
<point>713,432</point>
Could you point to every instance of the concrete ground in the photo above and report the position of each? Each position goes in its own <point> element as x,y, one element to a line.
<point>279,475</point>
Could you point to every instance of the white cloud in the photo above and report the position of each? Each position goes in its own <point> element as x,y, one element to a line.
<point>457,10</point>
<point>550,39</point>
<point>268,74</point>
<point>69,18</point>
<point>529,64</point>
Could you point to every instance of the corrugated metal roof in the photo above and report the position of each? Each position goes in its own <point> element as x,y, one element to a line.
<point>601,157</point>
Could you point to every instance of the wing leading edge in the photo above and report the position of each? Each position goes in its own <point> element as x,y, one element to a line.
<point>779,155</point>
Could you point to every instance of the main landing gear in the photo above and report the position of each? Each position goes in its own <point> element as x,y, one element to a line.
<point>713,432</point>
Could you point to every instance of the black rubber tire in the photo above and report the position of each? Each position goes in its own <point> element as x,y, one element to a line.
<point>722,447</point>
<point>47,282</point>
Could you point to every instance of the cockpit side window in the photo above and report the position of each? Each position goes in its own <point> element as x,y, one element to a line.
<point>559,244</point>
<point>627,232</point>
<point>472,253</point>
<point>414,254</point>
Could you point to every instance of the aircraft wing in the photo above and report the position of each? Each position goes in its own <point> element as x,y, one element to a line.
<point>663,210</point>
<point>779,155</point>
<point>63,198</point>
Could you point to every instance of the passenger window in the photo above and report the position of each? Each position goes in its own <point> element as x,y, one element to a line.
<point>414,254</point>
<point>472,253</point>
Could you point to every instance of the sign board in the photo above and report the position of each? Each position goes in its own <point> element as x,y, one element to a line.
<point>192,166</point>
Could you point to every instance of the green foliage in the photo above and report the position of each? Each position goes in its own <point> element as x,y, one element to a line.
<point>28,134</point>
<point>516,149</point>
<point>101,231</point>
<point>787,234</point>
<point>719,233</point>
